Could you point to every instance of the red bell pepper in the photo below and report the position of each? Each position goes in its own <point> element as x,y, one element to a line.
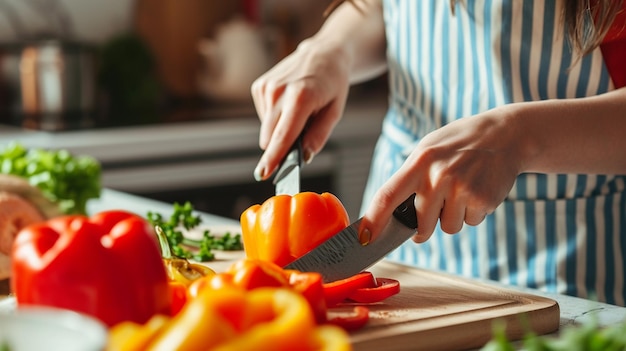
<point>362,287</point>
<point>355,321</point>
<point>108,266</point>
<point>384,288</point>
<point>338,291</point>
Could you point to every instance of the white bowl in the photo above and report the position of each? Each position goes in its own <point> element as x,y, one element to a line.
<point>46,328</point>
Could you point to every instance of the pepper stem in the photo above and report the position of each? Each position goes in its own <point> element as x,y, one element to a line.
<point>166,250</point>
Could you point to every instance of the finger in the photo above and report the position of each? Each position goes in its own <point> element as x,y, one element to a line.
<point>452,216</point>
<point>257,91</point>
<point>288,126</point>
<point>428,209</point>
<point>385,200</point>
<point>474,216</point>
<point>378,213</point>
<point>268,125</point>
<point>320,127</point>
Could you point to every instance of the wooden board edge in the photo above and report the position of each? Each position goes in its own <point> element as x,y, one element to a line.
<point>541,321</point>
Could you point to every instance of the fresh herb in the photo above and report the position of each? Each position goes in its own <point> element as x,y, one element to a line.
<point>588,336</point>
<point>201,250</point>
<point>67,180</point>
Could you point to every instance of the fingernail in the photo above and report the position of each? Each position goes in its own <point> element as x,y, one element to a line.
<point>364,236</point>
<point>308,155</point>
<point>259,173</point>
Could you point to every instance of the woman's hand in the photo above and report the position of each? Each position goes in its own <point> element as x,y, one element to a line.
<point>460,173</point>
<point>464,170</point>
<point>308,88</point>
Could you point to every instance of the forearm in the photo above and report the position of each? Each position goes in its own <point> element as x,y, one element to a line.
<point>355,33</point>
<point>585,135</point>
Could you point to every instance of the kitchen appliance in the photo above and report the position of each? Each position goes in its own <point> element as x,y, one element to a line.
<point>48,84</point>
<point>342,255</point>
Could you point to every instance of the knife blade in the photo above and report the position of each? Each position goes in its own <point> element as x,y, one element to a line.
<point>342,255</point>
<point>287,178</point>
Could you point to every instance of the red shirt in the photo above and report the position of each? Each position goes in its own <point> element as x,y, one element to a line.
<point>613,49</point>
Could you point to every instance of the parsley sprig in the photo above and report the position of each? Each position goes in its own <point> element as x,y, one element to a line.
<point>183,217</point>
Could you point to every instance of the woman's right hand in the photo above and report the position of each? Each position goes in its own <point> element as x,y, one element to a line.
<point>308,89</point>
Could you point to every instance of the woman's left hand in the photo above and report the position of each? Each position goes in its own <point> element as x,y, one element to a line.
<point>460,173</point>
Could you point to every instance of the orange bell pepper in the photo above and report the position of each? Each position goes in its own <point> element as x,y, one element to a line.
<point>248,274</point>
<point>286,227</point>
<point>131,336</point>
<point>234,319</point>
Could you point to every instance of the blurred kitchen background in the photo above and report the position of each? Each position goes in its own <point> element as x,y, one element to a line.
<point>159,92</point>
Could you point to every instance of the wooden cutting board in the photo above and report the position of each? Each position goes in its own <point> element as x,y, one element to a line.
<point>438,311</point>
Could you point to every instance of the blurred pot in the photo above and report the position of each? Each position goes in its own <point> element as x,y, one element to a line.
<point>48,84</point>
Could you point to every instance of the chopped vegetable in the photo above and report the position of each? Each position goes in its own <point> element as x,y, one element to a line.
<point>108,266</point>
<point>355,321</point>
<point>248,274</point>
<point>338,291</point>
<point>286,227</point>
<point>179,269</point>
<point>383,289</point>
<point>67,180</point>
<point>184,218</point>
<point>230,318</point>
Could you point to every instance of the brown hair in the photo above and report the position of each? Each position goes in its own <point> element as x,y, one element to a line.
<point>577,15</point>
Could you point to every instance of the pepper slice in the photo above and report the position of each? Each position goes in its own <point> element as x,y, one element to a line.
<point>338,291</point>
<point>385,287</point>
<point>179,269</point>
<point>357,320</point>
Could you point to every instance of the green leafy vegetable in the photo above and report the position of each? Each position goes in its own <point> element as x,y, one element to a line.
<point>201,250</point>
<point>67,180</point>
<point>588,336</point>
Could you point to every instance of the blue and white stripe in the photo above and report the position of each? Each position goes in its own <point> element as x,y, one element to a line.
<point>557,232</point>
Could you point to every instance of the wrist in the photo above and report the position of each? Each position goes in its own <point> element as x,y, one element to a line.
<point>526,145</point>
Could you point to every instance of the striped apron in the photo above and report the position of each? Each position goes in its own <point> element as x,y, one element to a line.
<point>562,233</point>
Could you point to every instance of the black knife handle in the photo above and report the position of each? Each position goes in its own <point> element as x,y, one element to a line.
<point>405,213</point>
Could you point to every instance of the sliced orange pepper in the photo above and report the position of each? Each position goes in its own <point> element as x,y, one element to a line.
<point>250,274</point>
<point>131,336</point>
<point>311,286</point>
<point>281,320</point>
<point>331,338</point>
<point>180,296</point>
<point>200,325</point>
<point>286,227</point>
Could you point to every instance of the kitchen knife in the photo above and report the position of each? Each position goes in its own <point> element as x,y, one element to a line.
<point>287,179</point>
<point>342,255</point>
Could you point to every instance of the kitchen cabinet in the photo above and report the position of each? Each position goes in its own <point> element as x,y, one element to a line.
<point>213,156</point>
